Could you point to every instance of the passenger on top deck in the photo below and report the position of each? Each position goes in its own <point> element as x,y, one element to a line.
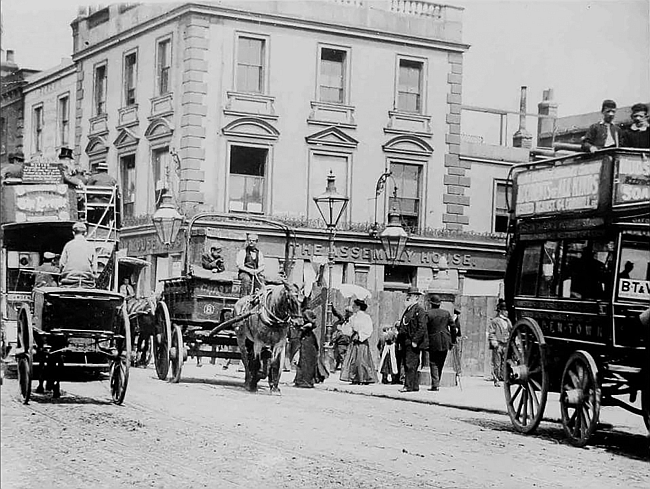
<point>637,135</point>
<point>100,177</point>
<point>213,260</point>
<point>70,174</point>
<point>604,133</point>
<point>15,167</point>
<point>79,260</point>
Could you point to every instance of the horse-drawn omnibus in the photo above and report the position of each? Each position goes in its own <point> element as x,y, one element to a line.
<point>578,289</point>
<point>205,314</point>
<point>46,327</point>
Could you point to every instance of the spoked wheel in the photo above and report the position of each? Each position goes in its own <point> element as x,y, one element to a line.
<point>161,341</point>
<point>645,404</point>
<point>580,398</point>
<point>119,369</point>
<point>24,353</point>
<point>177,354</point>
<point>526,378</point>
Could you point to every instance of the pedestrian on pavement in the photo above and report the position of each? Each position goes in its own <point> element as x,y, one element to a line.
<point>307,367</point>
<point>358,365</point>
<point>498,333</point>
<point>46,272</point>
<point>439,324</point>
<point>341,335</point>
<point>413,336</point>
<point>388,360</point>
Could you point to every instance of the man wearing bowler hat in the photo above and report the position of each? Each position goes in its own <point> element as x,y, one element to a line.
<point>439,324</point>
<point>78,260</point>
<point>413,336</point>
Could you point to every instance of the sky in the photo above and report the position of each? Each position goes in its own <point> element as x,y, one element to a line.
<point>585,50</point>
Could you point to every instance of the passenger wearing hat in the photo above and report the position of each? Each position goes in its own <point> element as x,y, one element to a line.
<point>100,176</point>
<point>439,324</point>
<point>308,369</point>
<point>78,260</point>
<point>412,338</point>
<point>69,173</point>
<point>498,333</point>
<point>358,365</point>
<point>637,135</point>
<point>250,262</point>
<point>15,167</point>
<point>212,260</point>
<point>46,273</point>
<point>604,133</point>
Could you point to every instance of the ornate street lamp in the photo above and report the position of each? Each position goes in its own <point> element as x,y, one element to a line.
<point>331,206</point>
<point>393,237</point>
<point>167,220</point>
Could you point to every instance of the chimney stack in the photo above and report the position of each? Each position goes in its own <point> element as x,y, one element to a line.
<point>545,125</point>
<point>10,56</point>
<point>522,138</point>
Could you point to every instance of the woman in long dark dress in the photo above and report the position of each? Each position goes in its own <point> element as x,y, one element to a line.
<point>307,368</point>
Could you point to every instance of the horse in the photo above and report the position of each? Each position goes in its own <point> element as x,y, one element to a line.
<point>142,319</point>
<point>261,336</point>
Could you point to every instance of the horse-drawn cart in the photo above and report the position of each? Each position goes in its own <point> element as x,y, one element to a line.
<point>203,314</point>
<point>578,290</point>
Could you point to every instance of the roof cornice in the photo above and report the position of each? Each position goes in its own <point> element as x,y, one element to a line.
<point>63,72</point>
<point>270,19</point>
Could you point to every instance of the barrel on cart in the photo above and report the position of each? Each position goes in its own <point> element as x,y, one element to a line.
<point>578,289</point>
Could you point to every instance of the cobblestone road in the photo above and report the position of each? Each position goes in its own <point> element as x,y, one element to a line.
<point>208,432</point>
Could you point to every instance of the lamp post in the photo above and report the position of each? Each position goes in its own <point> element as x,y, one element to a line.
<point>331,206</point>
<point>394,236</point>
<point>167,220</point>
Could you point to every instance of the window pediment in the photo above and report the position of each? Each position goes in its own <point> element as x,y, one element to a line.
<point>159,128</point>
<point>332,136</point>
<point>410,145</point>
<point>251,127</point>
<point>125,138</point>
<point>96,146</point>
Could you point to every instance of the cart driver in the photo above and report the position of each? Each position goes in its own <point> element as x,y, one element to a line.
<point>47,272</point>
<point>79,260</point>
<point>250,262</point>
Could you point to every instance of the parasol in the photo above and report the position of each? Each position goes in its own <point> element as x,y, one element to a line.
<point>355,291</point>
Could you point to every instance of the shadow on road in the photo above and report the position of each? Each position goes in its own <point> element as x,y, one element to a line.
<point>68,399</point>
<point>220,381</point>
<point>621,443</point>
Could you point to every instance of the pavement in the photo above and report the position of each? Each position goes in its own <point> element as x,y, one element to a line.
<point>476,394</point>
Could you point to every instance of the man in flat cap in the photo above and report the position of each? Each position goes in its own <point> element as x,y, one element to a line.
<point>604,133</point>
<point>78,260</point>
<point>213,260</point>
<point>250,262</point>
<point>412,336</point>
<point>46,272</point>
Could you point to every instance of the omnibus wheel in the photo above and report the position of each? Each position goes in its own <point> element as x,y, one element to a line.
<point>580,397</point>
<point>24,353</point>
<point>161,342</point>
<point>645,404</point>
<point>119,367</point>
<point>176,354</point>
<point>525,374</point>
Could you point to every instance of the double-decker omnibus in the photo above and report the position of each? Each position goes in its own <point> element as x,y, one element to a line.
<point>578,288</point>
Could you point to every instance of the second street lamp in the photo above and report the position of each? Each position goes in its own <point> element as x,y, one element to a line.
<point>331,206</point>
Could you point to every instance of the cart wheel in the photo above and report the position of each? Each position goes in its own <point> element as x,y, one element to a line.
<point>161,340</point>
<point>176,354</point>
<point>526,379</point>
<point>24,353</point>
<point>580,398</point>
<point>645,405</point>
<point>119,369</point>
